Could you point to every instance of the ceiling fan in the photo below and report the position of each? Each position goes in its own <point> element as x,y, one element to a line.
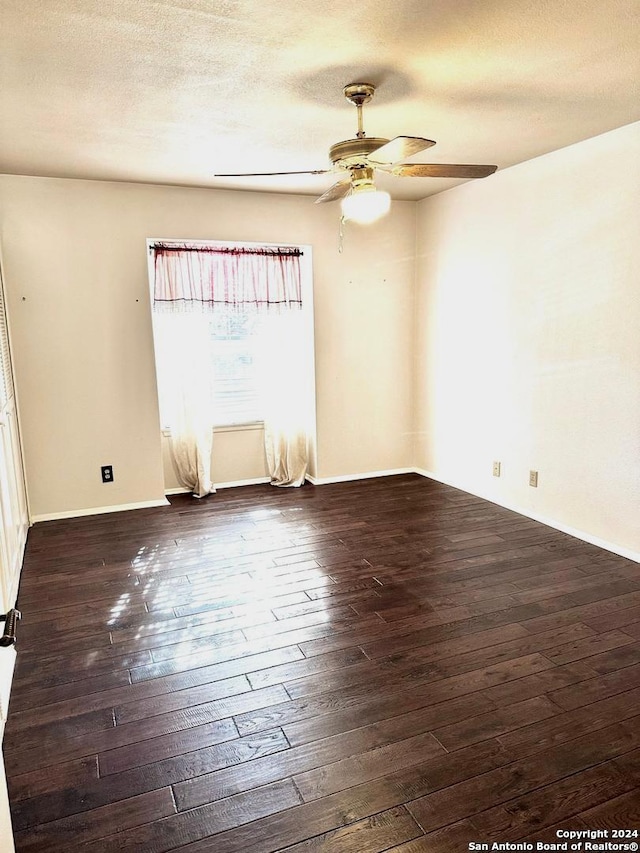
<point>361,156</point>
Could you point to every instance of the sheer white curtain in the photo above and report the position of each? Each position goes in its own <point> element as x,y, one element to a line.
<point>191,281</point>
<point>186,399</point>
<point>284,385</point>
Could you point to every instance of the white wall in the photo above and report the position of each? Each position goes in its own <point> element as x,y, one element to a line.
<point>76,277</point>
<point>528,336</point>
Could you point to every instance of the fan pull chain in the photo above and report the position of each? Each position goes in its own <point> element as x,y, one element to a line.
<point>340,235</point>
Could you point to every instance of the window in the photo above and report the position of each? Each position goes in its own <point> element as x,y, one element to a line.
<point>236,397</point>
<point>210,306</point>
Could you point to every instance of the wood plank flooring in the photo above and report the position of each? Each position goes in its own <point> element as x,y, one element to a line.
<point>383,665</point>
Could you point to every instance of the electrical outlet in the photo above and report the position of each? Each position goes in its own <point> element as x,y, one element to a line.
<point>107,473</point>
<point>496,469</point>
<point>533,479</point>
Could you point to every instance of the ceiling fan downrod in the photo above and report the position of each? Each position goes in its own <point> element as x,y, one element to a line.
<point>359,94</point>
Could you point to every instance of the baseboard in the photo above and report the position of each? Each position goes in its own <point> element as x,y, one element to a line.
<point>232,484</point>
<point>98,510</point>
<point>316,481</point>
<point>367,475</point>
<point>543,519</point>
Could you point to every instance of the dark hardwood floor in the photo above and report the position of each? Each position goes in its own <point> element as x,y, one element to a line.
<point>383,665</point>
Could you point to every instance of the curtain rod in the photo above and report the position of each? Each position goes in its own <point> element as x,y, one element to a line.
<point>227,250</point>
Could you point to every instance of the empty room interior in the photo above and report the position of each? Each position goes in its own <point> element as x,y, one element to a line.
<point>320,428</point>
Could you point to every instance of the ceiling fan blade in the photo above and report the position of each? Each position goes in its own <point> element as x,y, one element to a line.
<point>335,192</point>
<point>442,170</point>
<point>269,174</point>
<point>400,148</point>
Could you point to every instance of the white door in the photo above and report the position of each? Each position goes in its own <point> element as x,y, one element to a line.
<point>13,506</point>
<point>14,522</point>
<point>7,661</point>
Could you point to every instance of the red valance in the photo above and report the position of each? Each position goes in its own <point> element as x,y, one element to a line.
<point>189,277</point>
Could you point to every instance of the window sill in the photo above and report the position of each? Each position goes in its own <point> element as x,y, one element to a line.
<point>166,432</point>
<point>240,427</point>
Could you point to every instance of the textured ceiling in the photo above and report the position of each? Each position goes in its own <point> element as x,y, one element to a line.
<point>173,91</point>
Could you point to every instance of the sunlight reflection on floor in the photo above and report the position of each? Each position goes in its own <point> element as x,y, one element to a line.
<point>171,576</point>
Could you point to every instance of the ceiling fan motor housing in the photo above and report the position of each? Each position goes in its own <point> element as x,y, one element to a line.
<point>354,153</point>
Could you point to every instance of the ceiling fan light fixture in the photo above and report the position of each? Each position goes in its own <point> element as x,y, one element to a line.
<point>365,205</point>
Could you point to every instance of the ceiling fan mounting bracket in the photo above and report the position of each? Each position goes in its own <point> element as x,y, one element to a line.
<point>359,93</point>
